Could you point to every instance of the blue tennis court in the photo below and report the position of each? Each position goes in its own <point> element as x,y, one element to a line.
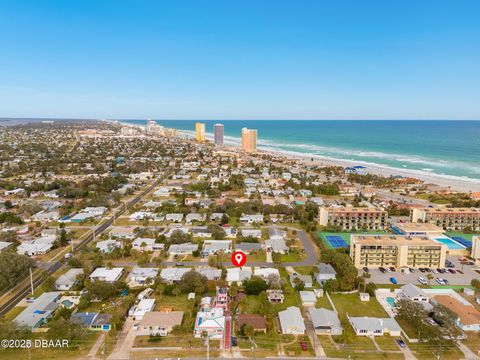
<point>336,241</point>
<point>462,241</point>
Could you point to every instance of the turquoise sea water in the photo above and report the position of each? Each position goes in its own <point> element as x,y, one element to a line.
<point>447,148</point>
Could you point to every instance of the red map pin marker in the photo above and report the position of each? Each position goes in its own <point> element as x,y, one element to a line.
<point>239,258</point>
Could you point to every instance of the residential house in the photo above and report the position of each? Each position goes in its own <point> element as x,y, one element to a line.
<point>211,247</point>
<point>238,275</point>
<point>159,323</point>
<point>325,322</point>
<point>308,298</point>
<point>105,274</point>
<point>305,279</point>
<point>173,274</point>
<point>143,276</point>
<point>414,293</point>
<point>256,321</point>
<point>182,249</point>
<point>146,244</point>
<point>275,296</point>
<point>107,246</point>
<point>291,321</point>
<point>94,321</point>
<point>40,311</point>
<point>325,272</point>
<point>210,273</point>
<point>256,233</point>
<point>123,232</point>
<point>194,217</point>
<point>68,280</point>
<point>468,317</point>
<point>248,248</point>
<point>371,326</point>
<point>142,307</point>
<point>177,218</point>
<point>255,218</point>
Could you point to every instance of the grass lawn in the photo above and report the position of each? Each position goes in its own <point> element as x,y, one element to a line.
<point>428,351</point>
<point>342,353</point>
<point>52,353</point>
<point>295,349</point>
<point>292,257</point>
<point>168,354</point>
<point>387,343</point>
<point>306,270</point>
<point>12,314</point>
<point>322,302</point>
<point>185,341</point>
<point>351,304</point>
<point>180,303</point>
<point>473,342</point>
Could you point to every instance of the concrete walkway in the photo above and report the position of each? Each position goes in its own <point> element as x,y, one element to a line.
<point>126,338</point>
<point>469,354</point>
<point>92,354</point>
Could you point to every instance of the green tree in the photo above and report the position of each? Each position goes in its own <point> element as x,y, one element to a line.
<point>193,281</point>
<point>255,286</point>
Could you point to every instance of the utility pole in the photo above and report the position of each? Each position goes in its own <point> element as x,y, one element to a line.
<point>31,280</point>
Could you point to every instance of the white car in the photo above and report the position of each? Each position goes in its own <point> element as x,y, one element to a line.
<point>440,281</point>
<point>422,280</point>
<point>434,271</point>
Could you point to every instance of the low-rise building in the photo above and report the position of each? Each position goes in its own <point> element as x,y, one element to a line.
<point>183,249</point>
<point>291,321</point>
<point>374,251</point>
<point>40,311</point>
<point>68,280</point>
<point>256,321</point>
<point>353,218</point>
<point>372,326</point>
<point>325,272</point>
<point>325,322</point>
<point>159,323</point>
<point>448,218</point>
<point>105,274</point>
<point>143,276</point>
<point>173,274</point>
<point>212,247</point>
<point>468,317</point>
<point>275,296</point>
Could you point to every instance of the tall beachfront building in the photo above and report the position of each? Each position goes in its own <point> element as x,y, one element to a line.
<point>200,131</point>
<point>249,140</point>
<point>218,134</point>
<point>448,218</point>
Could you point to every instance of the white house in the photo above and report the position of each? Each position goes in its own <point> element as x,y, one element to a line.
<point>173,274</point>
<point>414,293</point>
<point>325,322</point>
<point>66,281</point>
<point>238,275</point>
<point>142,275</point>
<point>291,321</point>
<point>371,326</point>
<point>138,310</point>
<point>107,246</point>
<point>256,233</point>
<point>105,274</point>
<point>146,244</point>
<point>308,298</point>
<point>211,247</point>
<point>182,249</point>
<point>255,218</point>
<point>174,217</point>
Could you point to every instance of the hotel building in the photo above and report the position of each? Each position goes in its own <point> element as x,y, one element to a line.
<point>399,251</point>
<point>249,140</point>
<point>218,134</point>
<point>351,218</point>
<point>200,132</point>
<point>448,218</point>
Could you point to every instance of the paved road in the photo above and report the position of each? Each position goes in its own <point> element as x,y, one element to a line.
<point>401,198</point>
<point>54,266</point>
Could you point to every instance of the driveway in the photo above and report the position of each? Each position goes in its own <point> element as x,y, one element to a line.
<point>125,341</point>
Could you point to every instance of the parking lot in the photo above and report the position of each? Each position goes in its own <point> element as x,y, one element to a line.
<point>453,279</point>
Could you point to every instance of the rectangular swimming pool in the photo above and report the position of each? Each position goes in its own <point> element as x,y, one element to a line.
<point>451,244</point>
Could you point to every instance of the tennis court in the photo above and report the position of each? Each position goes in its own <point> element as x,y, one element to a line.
<point>336,240</point>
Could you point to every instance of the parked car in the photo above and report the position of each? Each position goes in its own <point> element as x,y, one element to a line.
<point>452,271</point>
<point>31,299</point>
<point>401,343</point>
<point>434,271</point>
<point>441,271</point>
<point>431,321</point>
<point>303,345</point>
<point>422,280</point>
<point>234,341</point>
<point>388,270</point>
<point>382,269</point>
<point>393,281</point>
<point>392,269</point>
<point>422,270</point>
<point>365,269</point>
<point>440,281</point>
<point>412,270</point>
<point>460,271</point>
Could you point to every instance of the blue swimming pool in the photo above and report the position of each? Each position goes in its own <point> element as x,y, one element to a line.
<point>391,302</point>
<point>451,244</point>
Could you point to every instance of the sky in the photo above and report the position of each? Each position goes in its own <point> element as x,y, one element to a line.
<point>240,59</point>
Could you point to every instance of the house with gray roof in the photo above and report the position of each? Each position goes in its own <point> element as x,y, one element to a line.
<point>371,326</point>
<point>248,248</point>
<point>325,322</point>
<point>66,281</point>
<point>210,273</point>
<point>276,245</point>
<point>305,279</point>
<point>211,247</point>
<point>325,272</point>
<point>291,321</point>
<point>414,293</point>
<point>182,249</point>
<point>40,311</point>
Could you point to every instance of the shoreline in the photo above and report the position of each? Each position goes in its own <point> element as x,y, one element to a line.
<point>458,184</point>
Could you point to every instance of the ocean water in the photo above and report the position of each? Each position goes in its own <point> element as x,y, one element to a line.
<point>449,149</point>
